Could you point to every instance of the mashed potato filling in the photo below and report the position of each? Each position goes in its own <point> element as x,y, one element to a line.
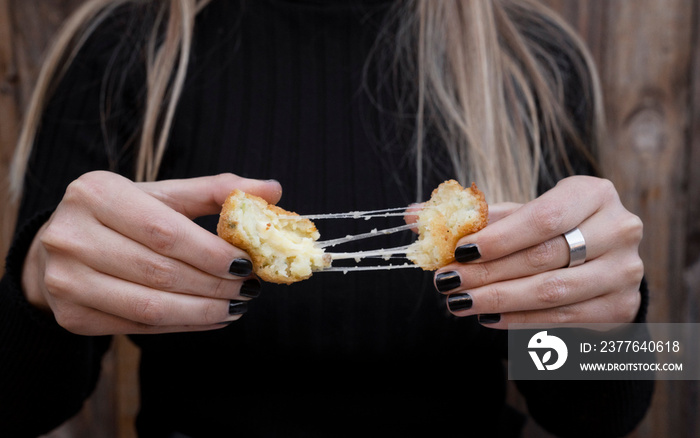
<point>282,245</point>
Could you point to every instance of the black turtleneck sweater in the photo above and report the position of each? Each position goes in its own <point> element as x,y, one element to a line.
<point>275,89</point>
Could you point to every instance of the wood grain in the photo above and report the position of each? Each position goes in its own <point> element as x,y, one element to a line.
<point>646,71</point>
<point>9,122</point>
<point>648,58</point>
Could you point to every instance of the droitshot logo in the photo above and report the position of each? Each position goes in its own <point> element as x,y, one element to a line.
<point>541,346</point>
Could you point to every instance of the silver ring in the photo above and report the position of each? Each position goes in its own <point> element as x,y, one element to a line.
<point>577,247</point>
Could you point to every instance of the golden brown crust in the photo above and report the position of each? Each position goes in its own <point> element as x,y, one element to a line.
<point>451,213</point>
<point>280,243</point>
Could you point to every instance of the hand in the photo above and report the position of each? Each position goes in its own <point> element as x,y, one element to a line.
<point>515,270</point>
<point>118,257</point>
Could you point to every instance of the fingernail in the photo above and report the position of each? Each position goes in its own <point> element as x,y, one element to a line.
<point>236,307</point>
<point>446,281</point>
<point>251,288</point>
<point>241,267</point>
<point>457,302</point>
<point>489,318</point>
<point>467,253</point>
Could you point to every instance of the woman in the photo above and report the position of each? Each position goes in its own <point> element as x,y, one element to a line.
<point>348,106</point>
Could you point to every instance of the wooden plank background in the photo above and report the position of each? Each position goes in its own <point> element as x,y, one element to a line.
<point>648,56</point>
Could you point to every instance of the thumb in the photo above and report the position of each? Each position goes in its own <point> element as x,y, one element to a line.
<point>195,197</point>
<point>502,210</point>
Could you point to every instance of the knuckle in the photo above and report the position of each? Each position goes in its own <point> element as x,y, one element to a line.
<point>622,306</point>
<point>162,274</point>
<point>223,289</point>
<point>606,189</point>
<point>211,313</point>
<point>635,270</point>
<point>477,274</point>
<point>548,219</point>
<point>56,281</point>
<point>67,319</point>
<point>149,310</point>
<point>226,179</point>
<point>73,321</point>
<point>496,241</point>
<point>564,314</point>
<point>88,187</point>
<point>75,190</point>
<point>541,255</point>
<point>56,236</point>
<point>631,302</point>
<point>162,235</point>
<point>213,253</point>
<point>633,228</point>
<point>496,299</point>
<point>552,290</point>
<point>71,317</point>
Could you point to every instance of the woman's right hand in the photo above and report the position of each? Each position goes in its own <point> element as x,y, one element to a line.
<point>124,257</point>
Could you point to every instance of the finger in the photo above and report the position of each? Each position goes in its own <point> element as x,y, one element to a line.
<point>80,285</point>
<point>547,290</point>
<point>557,211</point>
<point>90,289</point>
<point>614,309</point>
<point>90,322</point>
<point>119,205</point>
<point>540,258</point>
<point>600,235</point>
<point>195,197</point>
<point>126,259</point>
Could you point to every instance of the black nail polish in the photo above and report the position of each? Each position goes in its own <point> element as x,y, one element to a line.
<point>251,288</point>
<point>467,253</point>
<point>446,281</point>
<point>489,318</point>
<point>236,307</point>
<point>241,267</point>
<point>457,302</point>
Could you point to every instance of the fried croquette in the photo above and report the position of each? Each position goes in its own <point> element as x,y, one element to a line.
<point>284,246</point>
<point>451,213</point>
<point>281,245</point>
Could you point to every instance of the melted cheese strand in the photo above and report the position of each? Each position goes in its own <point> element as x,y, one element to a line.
<point>373,233</point>
<point>359,255</point>
<point>386,212</point>
<point>366,215</point>
<point>347,269</point>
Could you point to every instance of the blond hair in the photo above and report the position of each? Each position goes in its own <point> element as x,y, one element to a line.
<point>479,82</point>
<point>492,93</point>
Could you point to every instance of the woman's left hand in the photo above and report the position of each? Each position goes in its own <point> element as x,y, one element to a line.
<point>516,269</point>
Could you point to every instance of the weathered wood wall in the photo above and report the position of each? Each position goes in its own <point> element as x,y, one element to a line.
<point>648,54</point>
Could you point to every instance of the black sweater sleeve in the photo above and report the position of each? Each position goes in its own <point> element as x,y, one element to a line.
<point>46,372</point>
<point>590,408</point>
